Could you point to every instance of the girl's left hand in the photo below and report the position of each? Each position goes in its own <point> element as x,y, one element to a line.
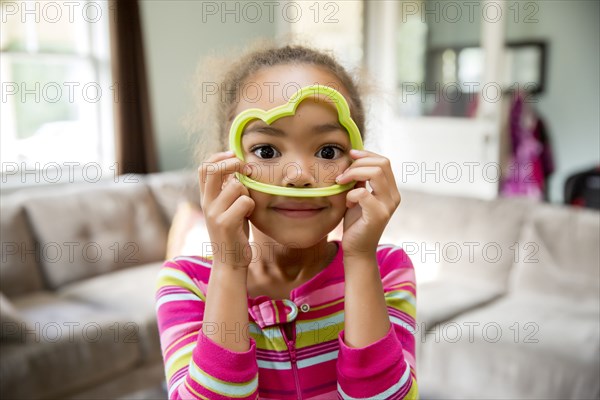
<point>368,211</point>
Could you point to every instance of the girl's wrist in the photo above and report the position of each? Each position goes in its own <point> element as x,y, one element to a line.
<point>360,260</point>
<point>229,270</point>
<point>360,255</point>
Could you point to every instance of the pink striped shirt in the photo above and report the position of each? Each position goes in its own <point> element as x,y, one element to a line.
<point>313,364</point>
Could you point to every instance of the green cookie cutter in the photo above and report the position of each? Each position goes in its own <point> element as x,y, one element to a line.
<point>285,110</point>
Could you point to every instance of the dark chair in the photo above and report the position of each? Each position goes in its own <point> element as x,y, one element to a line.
<point>583,189</point>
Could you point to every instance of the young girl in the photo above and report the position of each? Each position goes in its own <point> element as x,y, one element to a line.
<point>280,312</point>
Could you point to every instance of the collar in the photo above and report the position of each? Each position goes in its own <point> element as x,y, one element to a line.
<point>327,284</point>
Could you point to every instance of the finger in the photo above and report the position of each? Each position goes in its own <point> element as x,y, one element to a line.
<point>231,191</point>
<point>207,167</point>
<point>362,157</point>
<point>246,169</point>
<point>216,174</point>
<point>374,175</point>
<point>371,206</point>
<point>378,182</point>
<point>353,197</point>
<point>228,179</point>
<point>385,165</point>
<point>241,208</point>
<point>369,158</point>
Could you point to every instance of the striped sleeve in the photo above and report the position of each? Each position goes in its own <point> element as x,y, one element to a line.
<point>196,367</point>
<point>385,369</point>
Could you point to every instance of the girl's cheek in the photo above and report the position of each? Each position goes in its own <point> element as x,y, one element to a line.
<point>265,172</point>
<point>338,202</point>
<point>341,167</point>
<point>261,200</point>
<point>271,172</point>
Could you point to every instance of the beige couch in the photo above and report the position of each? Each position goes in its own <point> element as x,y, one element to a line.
<point>513,311</point>
<point>79,265</point>
<point>510,312</point>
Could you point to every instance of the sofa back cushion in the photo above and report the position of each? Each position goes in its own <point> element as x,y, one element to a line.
<point>19,269</point>
<point>173,188</point>
<point>83,232</point>
<point>563,254</point>
<point>466,239</point>
<point>12,323</point>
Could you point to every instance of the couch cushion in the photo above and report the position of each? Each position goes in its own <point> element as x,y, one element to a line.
<point>469,238</point>
<point>19,270</point>
<point>11,322</point>
<point>85,232</point>
<point>521,346</point>
<point>130,292</point>
<point>145,382</point>
<point>69,346</point>
<point>441,300</point>
<point>563,254</point>
<point>172,188</point>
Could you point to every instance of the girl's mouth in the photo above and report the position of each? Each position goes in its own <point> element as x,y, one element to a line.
<point>298,213</point>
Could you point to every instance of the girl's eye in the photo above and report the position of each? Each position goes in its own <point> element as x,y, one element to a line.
<point>329,152</point>
<point>265,152</point>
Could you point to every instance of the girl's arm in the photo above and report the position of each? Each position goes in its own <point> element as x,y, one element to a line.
<point>207,349</point>
<point>366,317</point>
<point>226,311</point>
<point>377,346</point>
<point>204,357</point>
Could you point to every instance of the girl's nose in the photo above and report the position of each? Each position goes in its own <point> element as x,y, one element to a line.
<point>298,175</point>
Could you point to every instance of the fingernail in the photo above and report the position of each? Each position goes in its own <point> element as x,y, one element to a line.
<point>358,152</point>
<point>229,153</point>
<point>338,178</point>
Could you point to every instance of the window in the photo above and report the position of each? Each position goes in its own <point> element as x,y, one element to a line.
<point>56,91</point>
<point>329,25</point>
<point>433,78</point>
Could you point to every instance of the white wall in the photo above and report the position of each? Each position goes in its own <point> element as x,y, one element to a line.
<point>175,40</point>
<point>570,103</point>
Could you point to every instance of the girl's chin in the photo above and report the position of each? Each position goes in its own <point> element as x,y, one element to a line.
<point>298,232</point>
<point>295,236</point>
<point>296,239</point>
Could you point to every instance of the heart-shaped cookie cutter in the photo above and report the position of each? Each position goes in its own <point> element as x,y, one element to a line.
<point>285,110</point>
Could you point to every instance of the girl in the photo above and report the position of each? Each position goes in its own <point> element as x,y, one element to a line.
<point>280,312</point>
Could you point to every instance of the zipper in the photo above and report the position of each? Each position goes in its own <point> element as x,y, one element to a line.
<point>292,349</point>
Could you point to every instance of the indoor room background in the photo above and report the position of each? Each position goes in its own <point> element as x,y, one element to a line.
<point>488,111</point>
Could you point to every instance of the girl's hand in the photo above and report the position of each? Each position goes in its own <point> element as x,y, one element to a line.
<point>368,212</point>
<point>226,204</point>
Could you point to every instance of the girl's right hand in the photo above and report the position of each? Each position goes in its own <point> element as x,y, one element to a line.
<point>226,204</point>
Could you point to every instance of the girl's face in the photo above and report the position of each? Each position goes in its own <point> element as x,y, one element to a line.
<point>308,149</point>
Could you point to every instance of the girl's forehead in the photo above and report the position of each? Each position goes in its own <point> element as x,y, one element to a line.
<point>316,115</point>
<point>273,86</point>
